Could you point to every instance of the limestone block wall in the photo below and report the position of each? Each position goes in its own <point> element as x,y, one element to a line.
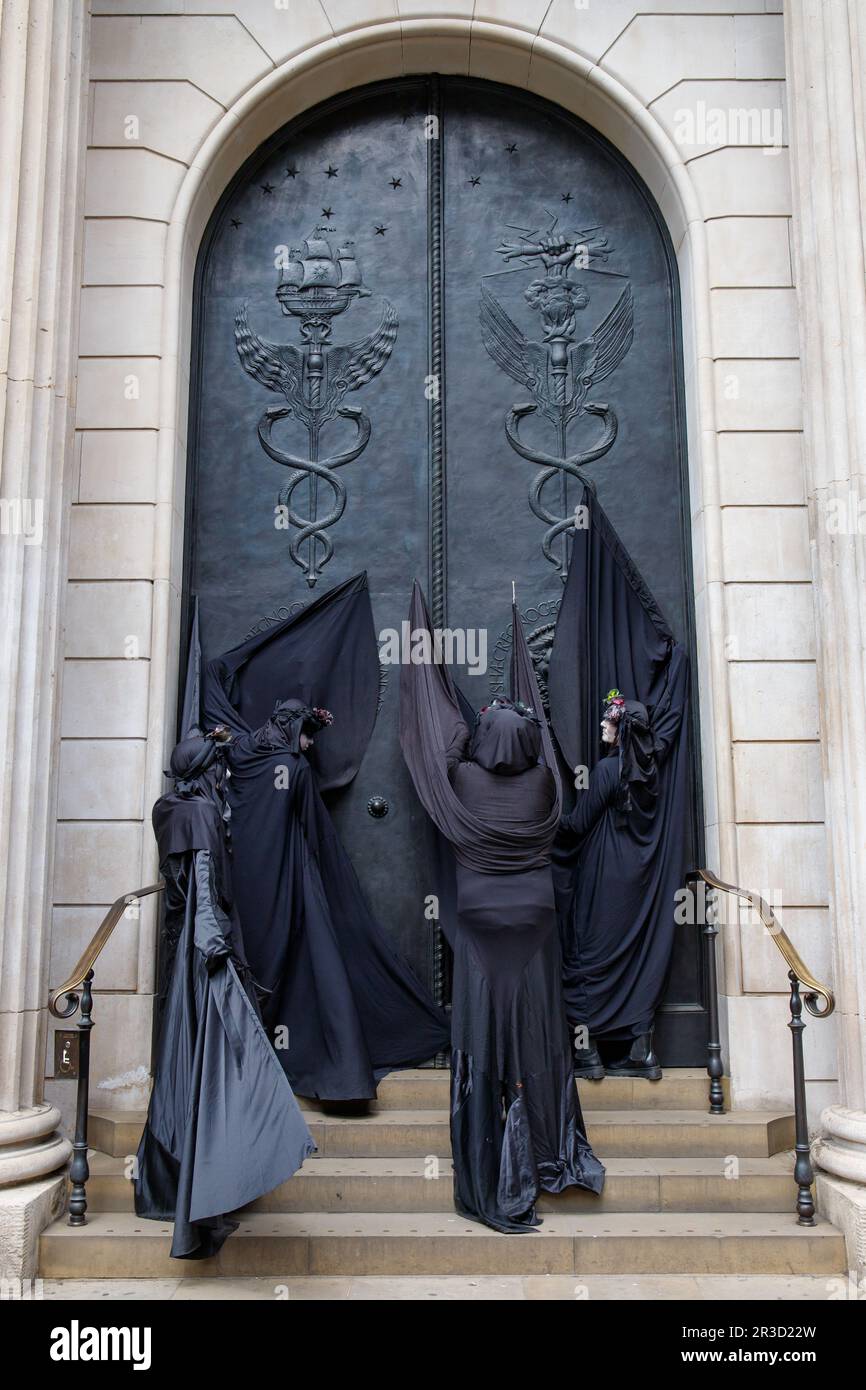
<point>692,91</point>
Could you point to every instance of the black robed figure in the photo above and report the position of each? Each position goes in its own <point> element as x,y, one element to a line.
<point>223,1127</point>
<point>343,1008</point>
<point>621,853</point>
<point>494,795</point>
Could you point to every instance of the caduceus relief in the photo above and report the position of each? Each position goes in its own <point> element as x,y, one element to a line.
<point>558,372</point>
<point>316,285</point>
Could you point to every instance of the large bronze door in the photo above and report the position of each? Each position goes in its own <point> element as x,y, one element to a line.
<point>368,294</point>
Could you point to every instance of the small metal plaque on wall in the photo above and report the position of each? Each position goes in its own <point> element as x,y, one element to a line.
<point>66,1056</point>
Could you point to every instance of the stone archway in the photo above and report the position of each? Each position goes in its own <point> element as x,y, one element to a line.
<point>548,69</point>
<point>432,198</point>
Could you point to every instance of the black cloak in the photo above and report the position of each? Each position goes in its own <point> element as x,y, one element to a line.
<point>223,1126</point>
<point>343,1008</point>
<point>325,655</point>
<point>621,853</point>
<point>516,1124</point>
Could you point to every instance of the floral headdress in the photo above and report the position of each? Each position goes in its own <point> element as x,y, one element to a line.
<point>323,717</point>
<point>613,705</point>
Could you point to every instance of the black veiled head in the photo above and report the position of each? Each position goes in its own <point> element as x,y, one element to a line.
<point>506,740</point>
<point>636,713</point>
<point>293,717</point>
<point>191,757</point>
<point>637,762</point>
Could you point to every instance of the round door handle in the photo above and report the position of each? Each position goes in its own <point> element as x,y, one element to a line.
<point>378,807</point>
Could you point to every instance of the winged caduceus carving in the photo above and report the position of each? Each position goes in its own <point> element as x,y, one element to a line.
<point>314,377</point>
<point>558,372</point>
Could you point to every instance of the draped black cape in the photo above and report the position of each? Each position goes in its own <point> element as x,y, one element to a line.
<point>223,1126</point>
<point>617,871</point>
<point>516,1125</point>
<point>433,725</point>
<point>343,1008</point>
<point>325,655</point>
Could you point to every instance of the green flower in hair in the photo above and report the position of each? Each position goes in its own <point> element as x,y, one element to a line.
<point>614,705</point>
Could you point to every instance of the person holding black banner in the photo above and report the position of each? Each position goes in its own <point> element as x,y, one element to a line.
<point>493,794</point>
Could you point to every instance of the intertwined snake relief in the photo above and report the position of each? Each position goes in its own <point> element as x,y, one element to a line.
<point>314,378</point>
<point>557,372</point>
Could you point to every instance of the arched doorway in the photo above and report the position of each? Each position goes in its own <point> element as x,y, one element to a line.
<point>436,206</point>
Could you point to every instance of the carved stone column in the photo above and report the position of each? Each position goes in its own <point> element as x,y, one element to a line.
<point>826,84</point>
<point>42,107</point>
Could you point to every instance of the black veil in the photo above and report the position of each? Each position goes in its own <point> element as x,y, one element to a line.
<point>433,724</point>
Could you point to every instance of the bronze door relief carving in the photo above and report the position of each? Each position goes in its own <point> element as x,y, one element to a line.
<point>426,313</point>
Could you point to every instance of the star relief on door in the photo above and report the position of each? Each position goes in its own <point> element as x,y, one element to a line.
<point>320,281</point>
<point>558,371</point>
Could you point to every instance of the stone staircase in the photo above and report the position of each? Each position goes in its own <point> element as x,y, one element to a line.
<point>686,1193</point>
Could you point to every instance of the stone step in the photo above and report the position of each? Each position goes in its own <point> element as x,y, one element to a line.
<point>403,1185</point>
<point>463,1288</point>
<point>118,1245</point>
<point>427,1088</point>
<point>613,1134</point>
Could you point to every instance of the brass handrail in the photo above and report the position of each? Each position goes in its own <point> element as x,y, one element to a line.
<point>78,994</point>
<point>93,950</point>
<point>794,961</point>
<point>812,996</point>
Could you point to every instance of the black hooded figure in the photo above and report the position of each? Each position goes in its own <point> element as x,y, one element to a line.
<point>516,1124</point>
<point>223,1127</point>
<point>342,1007</point>
<point>621,853</point>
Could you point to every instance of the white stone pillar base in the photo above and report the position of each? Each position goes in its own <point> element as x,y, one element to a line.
<point>25,1211</point>
<point>844,1203</point>
<point>31,1145</point>
<point>840,1187</point>
<point>33,1159</point>
<point>841,1147</point>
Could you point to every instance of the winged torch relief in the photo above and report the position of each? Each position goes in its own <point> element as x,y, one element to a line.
<point>558,371</point>
<point>318,283</point>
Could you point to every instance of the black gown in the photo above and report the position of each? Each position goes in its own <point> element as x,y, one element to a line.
<point>223,1127</point>
<point>622,852</point>
<point>343,1008</point>
<point>516,1123</point>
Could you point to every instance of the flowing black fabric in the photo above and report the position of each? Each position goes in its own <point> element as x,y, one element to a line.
<point>190,715</point>
<point>223,1127</point>
<point>342,1007</point>
<point>433,728</point>
<point>516,1124</point>
<point>621,853</point>
<point>324,655</point>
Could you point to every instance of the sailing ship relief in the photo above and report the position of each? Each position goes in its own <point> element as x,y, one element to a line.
<point>316,285</point>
